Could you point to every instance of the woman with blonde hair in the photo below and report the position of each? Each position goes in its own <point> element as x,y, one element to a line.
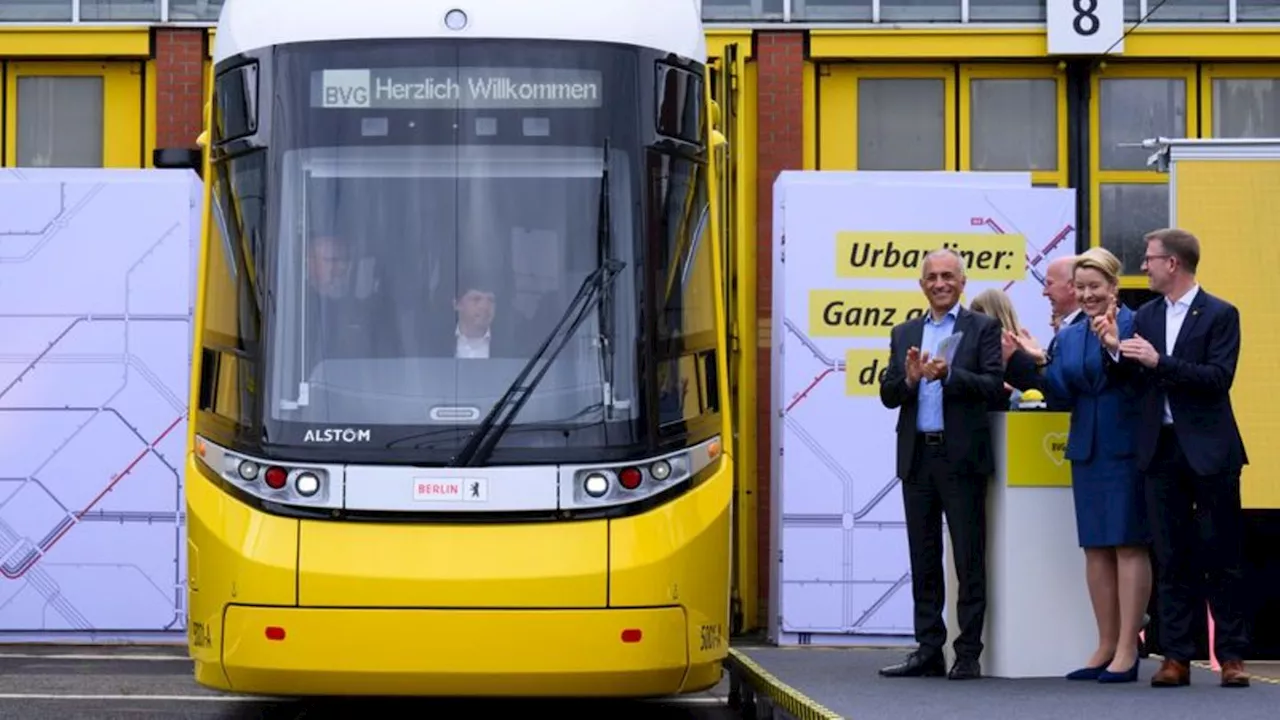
<point>1021,372</point>
<point>1111,522</point>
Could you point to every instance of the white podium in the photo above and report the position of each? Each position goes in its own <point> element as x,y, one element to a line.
<point>1039,621</point>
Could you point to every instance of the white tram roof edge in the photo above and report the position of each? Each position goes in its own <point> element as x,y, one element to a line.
<point>673,26</point>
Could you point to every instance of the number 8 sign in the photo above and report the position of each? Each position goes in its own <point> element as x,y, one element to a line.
<point>1085,22</point>
<point>1085,27</point>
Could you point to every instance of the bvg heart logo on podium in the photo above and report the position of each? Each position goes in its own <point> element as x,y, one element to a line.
<point>1055,446</point>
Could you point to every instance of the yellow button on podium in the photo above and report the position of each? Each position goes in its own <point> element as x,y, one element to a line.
<point>1036,448</point>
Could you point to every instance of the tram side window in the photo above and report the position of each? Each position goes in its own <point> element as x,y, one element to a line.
<point>680,252</point>
<point>232,314</point>
<point>237,112</point>
<point>230,345</point>
<point>679,104</point>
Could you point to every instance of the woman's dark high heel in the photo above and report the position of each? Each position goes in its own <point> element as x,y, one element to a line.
<point>1088,673</point>
<point>1128,676</point>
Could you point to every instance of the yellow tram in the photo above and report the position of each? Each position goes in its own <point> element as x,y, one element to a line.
<point>459,400</point>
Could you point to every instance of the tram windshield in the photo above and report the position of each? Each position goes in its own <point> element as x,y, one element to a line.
<point>433,223</point>
<point>419,281</point>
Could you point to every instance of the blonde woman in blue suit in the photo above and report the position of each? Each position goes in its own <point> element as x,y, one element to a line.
<point>1111,522</point>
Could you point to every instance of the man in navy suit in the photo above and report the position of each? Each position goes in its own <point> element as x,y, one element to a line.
<point>1183,354</point>
<point>944,460</point>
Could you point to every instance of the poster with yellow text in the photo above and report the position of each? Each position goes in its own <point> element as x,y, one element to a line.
<point>848,254</point>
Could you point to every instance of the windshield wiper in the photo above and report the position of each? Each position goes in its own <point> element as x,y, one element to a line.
<point>490,430</point>
<point>595,288</point>
<point>604,250</point>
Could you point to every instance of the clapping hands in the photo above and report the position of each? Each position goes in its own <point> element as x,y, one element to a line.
<point>1140,349</point>
<point>1105,327</point>
<point>1008,346</point>
<point>920,365</point>
<point>1021,340</point>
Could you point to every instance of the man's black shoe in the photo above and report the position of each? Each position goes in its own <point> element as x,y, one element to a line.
<point>965,669</point>
<point>918,664</point>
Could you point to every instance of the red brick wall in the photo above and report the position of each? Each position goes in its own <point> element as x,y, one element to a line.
<point>180,56</point>
<point>779,146</point>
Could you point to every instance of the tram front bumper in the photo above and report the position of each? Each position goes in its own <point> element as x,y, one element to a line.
<point>294,651</point>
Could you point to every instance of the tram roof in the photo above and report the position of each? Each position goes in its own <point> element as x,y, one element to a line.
<point>673,26</point>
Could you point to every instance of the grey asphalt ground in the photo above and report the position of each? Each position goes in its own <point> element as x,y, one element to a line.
<point>38,683</point>
<point>847,682</point>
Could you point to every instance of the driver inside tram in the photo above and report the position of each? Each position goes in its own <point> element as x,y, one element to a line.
<point>476,335</point>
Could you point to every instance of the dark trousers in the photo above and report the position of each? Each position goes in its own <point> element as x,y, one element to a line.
<point>1187,510</point>
<point>933,489</point>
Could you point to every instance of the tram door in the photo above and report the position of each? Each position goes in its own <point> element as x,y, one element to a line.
<point>724,90</point>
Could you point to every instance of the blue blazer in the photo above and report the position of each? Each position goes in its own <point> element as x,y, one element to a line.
<point>1104,406</point>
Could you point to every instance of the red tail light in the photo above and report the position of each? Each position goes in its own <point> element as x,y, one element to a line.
<point>276,477</point>
<point>629,478</point>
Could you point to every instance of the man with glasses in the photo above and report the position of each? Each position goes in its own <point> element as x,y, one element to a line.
<point>1183,356</point>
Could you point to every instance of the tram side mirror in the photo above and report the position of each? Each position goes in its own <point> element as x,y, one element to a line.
<point>176,158</point>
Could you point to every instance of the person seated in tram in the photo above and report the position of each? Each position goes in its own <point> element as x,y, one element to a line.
<point>338,323</point>
<point>476,334</point>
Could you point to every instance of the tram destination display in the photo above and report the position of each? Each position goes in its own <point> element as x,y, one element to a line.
<point>455,87</point>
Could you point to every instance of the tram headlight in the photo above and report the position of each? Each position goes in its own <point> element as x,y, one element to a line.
<point>248,469</point>
<point>660,470</point>
<point>307,484</point>
<point>596,485</point>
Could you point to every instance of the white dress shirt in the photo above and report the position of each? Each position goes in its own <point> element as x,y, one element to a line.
<point>472,347</point>
<point>1069,318</point>
<point>1175,311</point>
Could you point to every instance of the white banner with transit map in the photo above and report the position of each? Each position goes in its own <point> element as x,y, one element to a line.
<point>847,253</point>
<point>97,271</point>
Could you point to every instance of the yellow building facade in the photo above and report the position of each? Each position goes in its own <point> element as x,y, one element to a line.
<point>804,84</point>
<point>972,85</point>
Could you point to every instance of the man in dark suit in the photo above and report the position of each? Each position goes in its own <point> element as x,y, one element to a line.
<point>1060,289</point>
<point>944,460</point>
<point>1184,353</point>
<point>339,323</point>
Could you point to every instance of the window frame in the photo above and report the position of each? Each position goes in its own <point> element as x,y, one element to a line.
<point>227,367</point>
<point>1161,14</point>
<point>1227,71</point>
<point>161,12</point>
<point>961,7</point>
<point>1019,71</point>
<point>838,107</point>
<point>1025,4</point>
<point>123,124</point>
<point>1098,177</point>
<point>695,352</point>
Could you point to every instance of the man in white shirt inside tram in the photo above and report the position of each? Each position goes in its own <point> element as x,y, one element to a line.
<point>476,305</point>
